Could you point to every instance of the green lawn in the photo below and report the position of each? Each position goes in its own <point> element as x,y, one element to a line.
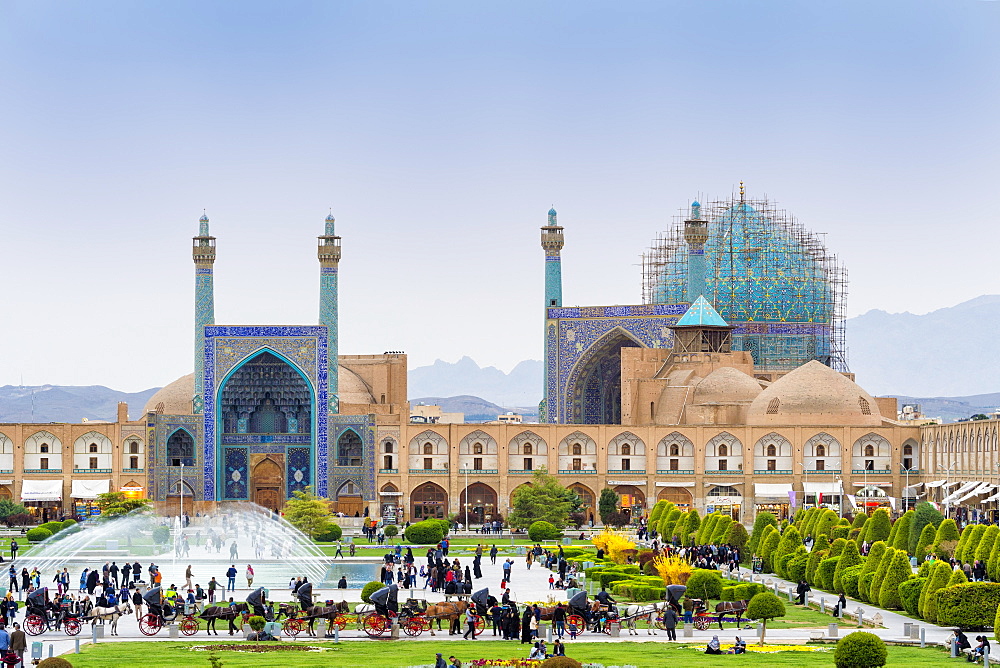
<point>395,654</point>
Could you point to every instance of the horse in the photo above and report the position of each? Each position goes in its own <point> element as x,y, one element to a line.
<point>110,615</point>
<point>737,607</point>
<point>327,612</point>
<point>633,612</point>
<point>216,612</point>
<point>451,610</point>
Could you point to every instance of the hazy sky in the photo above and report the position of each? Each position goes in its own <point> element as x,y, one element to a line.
<point>440,133</point>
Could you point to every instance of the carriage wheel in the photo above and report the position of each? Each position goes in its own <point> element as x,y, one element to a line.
<point>34,625</point>
<point>189,626</point>
<point>425,622</point>
<point>480,625</point>
<point>374,625</point>
<point>291,627</point>
<point>71,626</point>
<point>702,623</point>
<point>413,627</point>
<point>360,620</point>
<point>340,621</point>
<point>150,624</point>
<point>577,620</point>
<point>660,624</point>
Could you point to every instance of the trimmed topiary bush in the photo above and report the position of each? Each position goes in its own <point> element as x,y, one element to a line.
<point>52,527</point>
<point>427,532</point>
<point>899,572</point>
<point>815,557</point>
<point>985,548</point>
<point>762,520</point>
<point>946,539</point>
<point>256,622</point>
<point>880,572</point>
<point>837,547</point>
<point>704,583</point>
<point>560,662</point>
<point>765,606</point>
<point>161,535</point>
<point>860,650</point>
<point>737,536</point>
<point>369,589</point>
<point>796,568</point>
<point>543,530</point>
<point>849,557</point>
<point>391,531</point>
<point>901,539</point>
<point>728,594</point>
<point>68,523</point>
<point>55,662</point>
<point>878,526</point>
<point>928,601</point>
<point>825,572</point>
<point>849,580</point>
<point>971,605</point>
<point>909,595</point>
<point>925,541</point>
<point>767,549</point>
<point>329,533</point>
<point>38,534</point>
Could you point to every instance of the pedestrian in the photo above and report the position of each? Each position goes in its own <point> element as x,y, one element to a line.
<point>114,573</point>
<point>13,549</point>
<point>249,576</point>
<point>439,661</point>
<point>233,615</point>
<point>136,571</point>
<point>470,620</point>
<point>18,643</point>
<point>213,584</point>
<point>137,602</point>
<point>670,622</point>
<point>493,555</point>
<point>231,574</point>
<point>802,590</point>
<point>187,577</point>
<point>559,620</point>
<point>126,574</point>
<point>12,574</point>
<point>234,551</point>
<point>340,550</point>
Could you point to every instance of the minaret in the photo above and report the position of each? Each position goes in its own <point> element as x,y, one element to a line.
<point>696,236</point>
<point>203,253</point>
<point>329,260</point>
<point>552,243</point>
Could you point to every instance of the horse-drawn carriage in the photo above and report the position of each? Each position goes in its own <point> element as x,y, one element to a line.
<point>703,618</point>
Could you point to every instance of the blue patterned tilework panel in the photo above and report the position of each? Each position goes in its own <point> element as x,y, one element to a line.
<point>328,316</point>
<point>299,474</point>
<point>364,475</point>
<point>237,474</point>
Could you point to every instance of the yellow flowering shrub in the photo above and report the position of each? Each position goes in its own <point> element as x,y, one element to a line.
<point>673,570</point>
<point>615,545</point>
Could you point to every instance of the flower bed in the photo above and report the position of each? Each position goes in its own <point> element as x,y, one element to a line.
<point>770,649</point>
<point>235,647</point>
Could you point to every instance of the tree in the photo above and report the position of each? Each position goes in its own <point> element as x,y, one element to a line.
<point>542,500</point>
<point>924,542</point>
<point>879,526</point>
<point>901,541</point>
<point>880,573</point>
<point>116,504</point>
<point>765,606</point>
<point>691,524</point>
<point>859,520</point>
<point>923,514</point>
<point>607,503</point>
<point>939,579</point>
<point>946,539</point>
<point>307,512</point>
<point>655,514</point>
<point>898,573</point>
<point>860,650</point>
<point>721,530</point>
<point>762,520</point>
<point>985,548</point>
<point>9,508</point>
<point>790,541</point>
<point>737,535</point>
<point>706,528</point>
<point>767,549</point>
<point>969,554</point>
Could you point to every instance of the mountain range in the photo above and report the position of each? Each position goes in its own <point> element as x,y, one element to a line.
<point>67,403</point>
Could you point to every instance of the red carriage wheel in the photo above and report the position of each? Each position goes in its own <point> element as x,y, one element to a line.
<point>480,625</point>
<point>702,623</point>
<point>340,621</point>
<point>577,620</point>
<point>189,626</point>
<point>34,625</point>
<point>150,624</point>
<point>290,627</point>
<point>374,625</point>
<point>413,627</point>
<point>71,626</point>
<point>660,624</point>
<point>425,622</point>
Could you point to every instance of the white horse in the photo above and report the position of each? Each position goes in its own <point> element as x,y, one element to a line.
<point>631,613</point>
<point>110,615</point>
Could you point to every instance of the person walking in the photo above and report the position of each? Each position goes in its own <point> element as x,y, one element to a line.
<point>187,577</point>
<point>14,547</point>
<point>802,590</point>
<point>340,550</point>
<point>18,643</point>
<point>12,574</point>
<point>234,551</point>
<point>137,604</point>
<point>114,573</point>
<point>493,555</point>
<point>670,622</point>
<point>213,584</point>
<point>559,620</point>
<point>470,621</point>
<point>231,575</point>
<point>126,574</point>
<point>249,575</point>
<point>136,571</point>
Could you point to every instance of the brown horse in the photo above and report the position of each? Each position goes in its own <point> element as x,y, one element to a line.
<point>732,607</point>
<point>327,612</point>
<point>226,612</point>
<point>452,611</point>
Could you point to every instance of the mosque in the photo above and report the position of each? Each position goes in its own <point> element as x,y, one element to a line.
<point>726,390</point>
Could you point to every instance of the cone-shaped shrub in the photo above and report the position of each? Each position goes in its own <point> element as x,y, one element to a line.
<point>880,572</point>
<point>705,528</point>
<point>909,595</point>
<point>849,557</point>
<point>656,512</point>
<point>859,520</point>
<point>796,569</point>
<point>939,579</point>
<point>767,550</point>
<point>837,547</point>
<point>963,540</point>
<point>925,541</point>
<point>957,577</point>
<point>898,573</point>
<point>901,541</point>
<point>790,541</point>
<point>878,526</point>
<point>821,543</point>
<point>815,557</point>
<point>946,539</point>
<point>691,524</point>
<point>849,579</point>
<point>826,522</point>
<point>874,556</point>
<point>891,540</point>
<point>762,520</point>
<point>824,574</point>
<point>721,529</point>
<point>840,531</point>
<point>737,535</point>
<point>985,548</point>
<point>969,553</point>
<point>993,565</point>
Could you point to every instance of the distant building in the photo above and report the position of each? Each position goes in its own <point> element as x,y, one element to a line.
<point>431,414</point>
<point>510,418</point>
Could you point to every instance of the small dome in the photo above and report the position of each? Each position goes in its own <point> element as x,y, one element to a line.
<point>814,394</point>
<point>696,203</point>
<point>176,397</point>
<point>203,219</point>
<point>726,385</point>
<point>552,211</point>
<point>330,218</point>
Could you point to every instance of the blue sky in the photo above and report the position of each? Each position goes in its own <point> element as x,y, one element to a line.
<point>440,133</point>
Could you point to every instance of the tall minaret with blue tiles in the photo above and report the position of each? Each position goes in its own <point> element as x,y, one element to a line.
<point>329,260</point>
<point>203,253</point>
<point>552,244</point>
<point>696,236</point>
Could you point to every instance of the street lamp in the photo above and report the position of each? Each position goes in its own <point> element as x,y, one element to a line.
<point>466,496</point>
<point>805,486</point>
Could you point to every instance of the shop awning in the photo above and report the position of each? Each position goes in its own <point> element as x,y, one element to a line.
<point>995,497</point>
<point>936,483</point>
<point>41,490</point>
<point>772,490</point>
<point>674,484</point>
<point>723,483</point>
<point>963,489</point>
<point>89,489</point>
<point>822,488</point>
<point>951,484</point>
<point>983,488</point>
<point>912,492</point>
<point>853,500</point>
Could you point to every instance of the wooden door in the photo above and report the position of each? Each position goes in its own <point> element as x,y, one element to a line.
<point>268,497</point>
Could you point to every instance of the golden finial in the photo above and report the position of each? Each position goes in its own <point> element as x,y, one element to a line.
<point>742,191</point>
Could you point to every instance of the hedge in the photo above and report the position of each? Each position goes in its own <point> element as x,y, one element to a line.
<point>864,585</point>
<point>542,530</point>
<point>37,534</point>
<point>909,595</point>
<point>780,568</point>
<point>330,532</point>
<point>901,541</point>
<point>52,527</point>
<point>745,592</point>
<point>728,594</point>
<point>704,584</point>
<point>426,532</point>
<point>161,535</point>
<point>849,580</point>
<point>860,650</point>
<point>815,557</point>
<point>66,524</point>
<point>849,557</point>
<point>925,540</point>
<point>878,526</point>
<point>940,575</point>
<point>880,573</point>
<point>899,572</point>
<point>946,539</point>
<point>796,568</point>
<point>824,574</point>
<point>370,589</point>
<point>971,605</point>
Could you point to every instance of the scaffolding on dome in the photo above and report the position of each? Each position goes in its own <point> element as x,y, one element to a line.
<point>767,275</point>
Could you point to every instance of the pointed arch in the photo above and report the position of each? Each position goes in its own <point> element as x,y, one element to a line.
<point>830,444</point>
<point>180,448</point>
<point>350,448</point>
<point>733,445</point>
<point>245,404</point>
<point>439,444</point>
<point>675,439</point>
<point>782,447</point>
<point>527,437</point>
<point>636,446</point>
<point>594,383</point>
<point>488,444</point>
<point>427,500</point>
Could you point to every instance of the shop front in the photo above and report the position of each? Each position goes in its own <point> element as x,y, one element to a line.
<point>725,499</point>
<point>132,490</point>
<point>391,506</point>
<point>631,499</point>
<point>43,498</point>
<point>84,494</point>
<point>824,495</point>
<point>774,498</point>
<point>676,493</point>
<point>871,498</point>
